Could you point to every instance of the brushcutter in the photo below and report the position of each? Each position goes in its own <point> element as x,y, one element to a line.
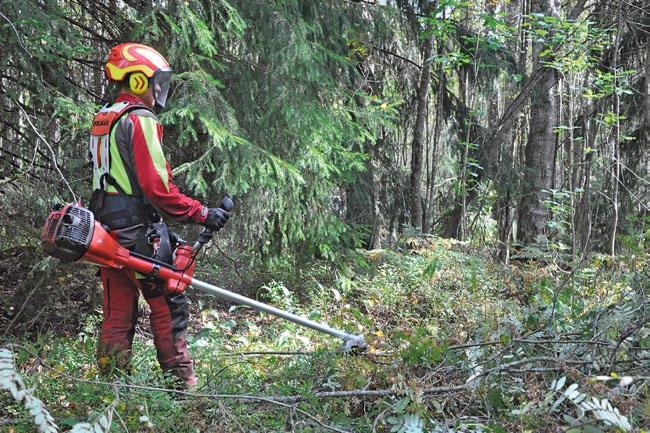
<point>72,234</point>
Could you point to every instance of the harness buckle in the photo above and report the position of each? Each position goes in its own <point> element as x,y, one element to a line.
<point>155,271</point>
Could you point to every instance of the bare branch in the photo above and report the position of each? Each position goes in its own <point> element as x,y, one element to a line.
<point>56,165</point>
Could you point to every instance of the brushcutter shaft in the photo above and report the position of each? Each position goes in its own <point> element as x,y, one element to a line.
<point>350,340</point>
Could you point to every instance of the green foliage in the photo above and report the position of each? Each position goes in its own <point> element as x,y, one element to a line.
<point>421,349</point>
<point>272,123</point>
<point>279,295</point>
<point>410,423</point>
<point>291,106</point>
<point>417,310</point>
<point>565,42</point>
<point>558,203</point>
<point>303,111</point>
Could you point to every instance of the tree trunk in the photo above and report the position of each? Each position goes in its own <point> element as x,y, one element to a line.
<point>504,183</point>
<point>437,128</point>
<point>380,202</point>
<point>418,136</point>
<point>646,131</point>
<point>583,221</point>
<point>504,179</point>
<point>540,149</point>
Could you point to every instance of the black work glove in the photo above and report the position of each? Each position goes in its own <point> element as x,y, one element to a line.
<point>216,219</point>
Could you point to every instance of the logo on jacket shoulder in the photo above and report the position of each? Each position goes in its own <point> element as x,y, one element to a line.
<point>106,118</point>
<point>102,122</point>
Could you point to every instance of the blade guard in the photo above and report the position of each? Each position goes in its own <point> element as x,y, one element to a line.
<point>354,345</point>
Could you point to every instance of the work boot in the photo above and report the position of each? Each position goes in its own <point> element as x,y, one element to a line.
<point>113,361</point>
<point>190,383</point>
<point>182,381</point>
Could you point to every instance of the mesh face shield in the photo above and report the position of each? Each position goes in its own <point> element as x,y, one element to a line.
<point>160,83</point>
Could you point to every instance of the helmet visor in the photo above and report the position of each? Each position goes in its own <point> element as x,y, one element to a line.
<point>160,82</point>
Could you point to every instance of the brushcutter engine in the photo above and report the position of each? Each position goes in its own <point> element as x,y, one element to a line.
<point>72,234</point>
<point>68,232</point>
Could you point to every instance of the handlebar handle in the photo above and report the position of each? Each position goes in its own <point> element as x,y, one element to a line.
<point>227,204</point>
<point>206,235</point>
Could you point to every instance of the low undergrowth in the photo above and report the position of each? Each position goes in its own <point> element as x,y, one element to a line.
<point>456,343</point>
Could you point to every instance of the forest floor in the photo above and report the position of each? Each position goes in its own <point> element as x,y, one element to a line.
<point>457,342</point>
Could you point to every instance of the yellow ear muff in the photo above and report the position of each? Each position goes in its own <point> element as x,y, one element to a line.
<point>139,83</point>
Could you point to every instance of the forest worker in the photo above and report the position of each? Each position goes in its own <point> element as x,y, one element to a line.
<point>133,187</point>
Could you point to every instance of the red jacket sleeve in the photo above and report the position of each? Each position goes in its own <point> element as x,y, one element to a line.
<point>155,176</point>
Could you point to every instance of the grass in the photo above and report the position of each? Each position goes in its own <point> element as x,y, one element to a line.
<point>413,307</point>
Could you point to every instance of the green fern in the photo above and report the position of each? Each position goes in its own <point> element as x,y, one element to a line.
<point>601,410</point>
<point>11,381</point>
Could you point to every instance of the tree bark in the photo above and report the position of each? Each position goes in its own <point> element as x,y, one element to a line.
<point>646,130</point>
<point>418,136</point>
<point>504,183</point>
<point>583,221</point>
<point>437,128</point>
<point>505,180</point>
<point>540,149</point>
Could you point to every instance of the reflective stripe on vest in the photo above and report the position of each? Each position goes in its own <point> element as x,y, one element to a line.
<point>149,127</point>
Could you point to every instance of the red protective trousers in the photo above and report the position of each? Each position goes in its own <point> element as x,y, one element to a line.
<point>169,319</point>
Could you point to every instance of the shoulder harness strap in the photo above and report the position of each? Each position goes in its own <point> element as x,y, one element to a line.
<point>107,116</point>
<point>103,122</point>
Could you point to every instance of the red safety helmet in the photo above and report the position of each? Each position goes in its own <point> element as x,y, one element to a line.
<point>143,67</point>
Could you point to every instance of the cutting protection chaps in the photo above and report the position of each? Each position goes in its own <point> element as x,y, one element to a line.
<point>169,319</point>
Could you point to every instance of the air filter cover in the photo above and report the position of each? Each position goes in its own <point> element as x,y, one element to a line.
<point>68,232</point>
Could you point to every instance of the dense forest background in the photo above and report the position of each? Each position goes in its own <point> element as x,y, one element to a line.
<point>363,140</point>
<point>344,124</point>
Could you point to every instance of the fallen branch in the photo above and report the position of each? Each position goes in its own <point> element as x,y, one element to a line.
<point>8,421</point>
<point>262,353</point>
<point>286,401</point>
<point>528,341</point>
